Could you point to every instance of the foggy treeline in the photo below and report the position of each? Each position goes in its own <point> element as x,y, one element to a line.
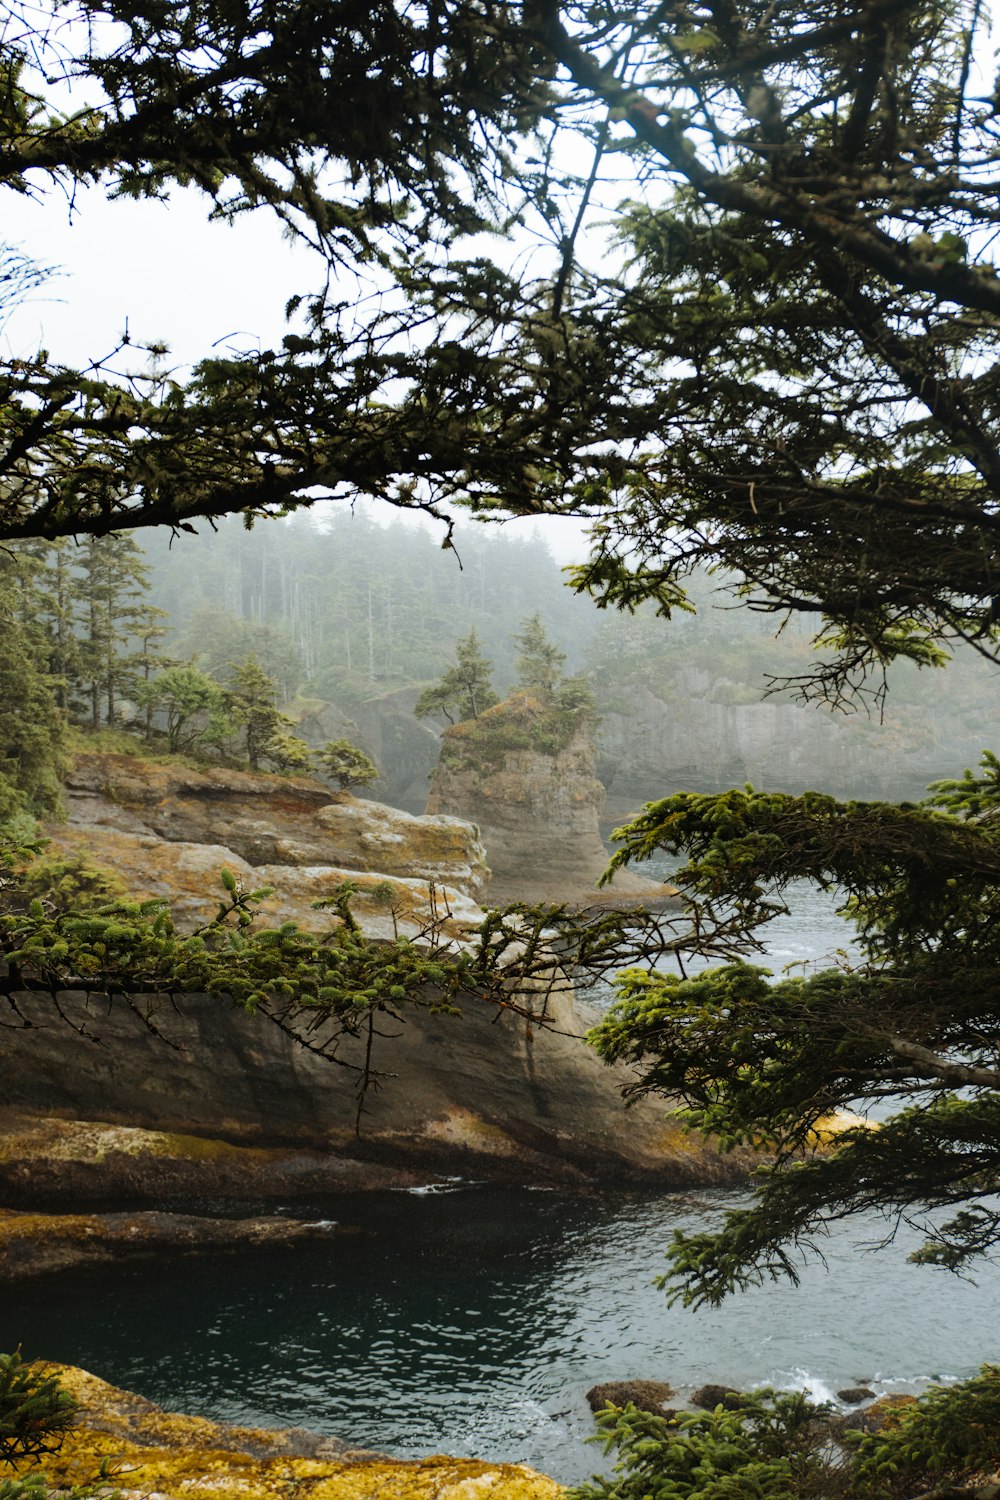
<point>348,608</point>
<point>344,608</point>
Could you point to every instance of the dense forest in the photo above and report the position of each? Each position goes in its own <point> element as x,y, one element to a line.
<point>154,635</point>
<point>718,278</point>
<point>345,607</point>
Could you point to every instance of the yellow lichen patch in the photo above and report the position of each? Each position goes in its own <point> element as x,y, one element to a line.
<point>696,1155</point>
<point>15,1227</point>
<point>460,1127</point>
<point>51,1139</point>
<point>200,1148</point>
<point>436,1479</point>
<point>675,1139</point>
<point>154,1453</point>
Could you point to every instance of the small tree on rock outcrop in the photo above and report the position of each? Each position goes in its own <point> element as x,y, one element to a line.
<point>540,672</point>
<point>346,764</point>
<point>287,752</point>
<point>466,689</point>
<point>540,662</point>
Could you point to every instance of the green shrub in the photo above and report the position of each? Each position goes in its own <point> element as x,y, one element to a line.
<point>525,721</point>
<point>768,1447</point>
<point>70,882</point>
<point>772,1445</point>
<point>951,1432</point>
<point>35,1411</point>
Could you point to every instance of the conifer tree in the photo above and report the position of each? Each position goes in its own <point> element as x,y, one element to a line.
<point>193,706</point>
<point>346,764</point>
<point>466,689</point>
<point>32,728</point>
<point>117,626</point>
<point>540,662</point>
<point>251,694</point>
<point>35,1410</point>
<point>288,752</point>
<point>58,611</point>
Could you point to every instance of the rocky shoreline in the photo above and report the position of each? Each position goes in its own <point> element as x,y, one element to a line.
<point>38,1244</point>
<point>163,1105</point>
<point>144,1451</point>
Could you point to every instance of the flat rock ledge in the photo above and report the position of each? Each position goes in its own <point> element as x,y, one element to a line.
<point>178,1457</point>
<point>34,1244</point>
<point>58,1165</point>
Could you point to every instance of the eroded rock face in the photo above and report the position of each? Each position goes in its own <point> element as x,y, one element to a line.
<point>49,1163</point>
<point>484,1094</point>
<point>691,738</point>
<point>169,831</point>
<point>487,1094</point>
<point>537,810</point>
<point>403,747</point>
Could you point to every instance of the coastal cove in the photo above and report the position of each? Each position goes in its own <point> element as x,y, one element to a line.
<point>471,1321</point>
<point>471,1318</point>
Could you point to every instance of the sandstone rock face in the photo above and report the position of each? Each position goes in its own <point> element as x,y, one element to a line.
<point>169,831</point>
<point>49,1163</point>
<point>537,810</point>
<point>484,1094</point>
<point>538,816</point>
<point>489,1093</point>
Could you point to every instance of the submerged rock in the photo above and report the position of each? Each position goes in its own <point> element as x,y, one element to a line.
<point>37,1244</point>
<point>708,1397</point>
<point>153,1452</point>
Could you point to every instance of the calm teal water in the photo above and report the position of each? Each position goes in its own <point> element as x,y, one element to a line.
<point>473,1321</point>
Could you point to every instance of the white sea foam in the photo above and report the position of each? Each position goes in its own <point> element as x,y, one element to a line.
<point>799,1379</point>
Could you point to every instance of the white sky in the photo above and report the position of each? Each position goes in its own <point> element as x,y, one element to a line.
<point>161,268</point>
<point>169,275</point>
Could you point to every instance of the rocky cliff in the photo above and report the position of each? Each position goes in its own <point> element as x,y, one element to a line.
<point>487,1093</point>
<point>483,1094</point>
<point>530,787</point>
<point>703,735</point>
<point>169,831</point>
<point>404,748</point>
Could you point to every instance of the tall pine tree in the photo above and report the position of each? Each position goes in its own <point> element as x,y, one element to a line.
<point>117,627</point>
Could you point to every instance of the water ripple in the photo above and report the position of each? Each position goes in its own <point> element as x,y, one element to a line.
<point>474,1321</point>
